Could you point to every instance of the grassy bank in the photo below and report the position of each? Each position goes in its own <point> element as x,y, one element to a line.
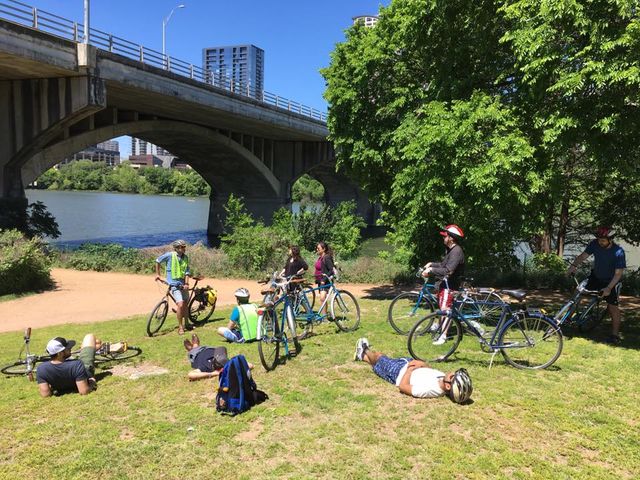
<point>327,416</point>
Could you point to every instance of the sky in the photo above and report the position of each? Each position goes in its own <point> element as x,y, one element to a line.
<point>296,35</point>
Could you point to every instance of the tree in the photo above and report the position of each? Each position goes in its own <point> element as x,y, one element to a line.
<point>503,116</point>
<point>307,189</point>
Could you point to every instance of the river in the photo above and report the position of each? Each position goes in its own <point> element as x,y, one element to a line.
<point>130,220</point>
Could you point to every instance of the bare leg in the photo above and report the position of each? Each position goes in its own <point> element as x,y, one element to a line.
<point>180,313</point>
<point>371,357</point>
<point>323,296</point>
<point>614,313</point>
<point>89,340</point>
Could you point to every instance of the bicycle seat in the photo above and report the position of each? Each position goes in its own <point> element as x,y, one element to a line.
<point>484,290</point>
<point>297,281</point>
<point>268,290</point>
<point>517,294</point>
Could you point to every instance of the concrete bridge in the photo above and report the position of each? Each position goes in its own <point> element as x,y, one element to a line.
<point>58,96</point>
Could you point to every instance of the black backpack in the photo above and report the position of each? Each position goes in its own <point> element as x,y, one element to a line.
<point>237,392</point>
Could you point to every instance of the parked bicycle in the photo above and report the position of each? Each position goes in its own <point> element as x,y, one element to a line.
<point>525,338</point>
<point>275,318</point>
<point>584,318</point>
<point>26,363</point>
<point>408,307</point>
<point>339,306</point>
<point>201,305</point>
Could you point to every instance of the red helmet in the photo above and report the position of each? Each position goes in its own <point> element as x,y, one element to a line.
<point>454,231</point>
<point>604,232</point>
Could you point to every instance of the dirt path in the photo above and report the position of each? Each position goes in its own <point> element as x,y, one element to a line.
<point>81,297</point>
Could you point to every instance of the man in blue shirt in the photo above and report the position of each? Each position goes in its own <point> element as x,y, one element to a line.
<point>178,274</point>
<point>608,266</point>
<point>61,375</point>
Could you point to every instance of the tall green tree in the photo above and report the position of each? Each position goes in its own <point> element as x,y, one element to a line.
<point>514,119</point>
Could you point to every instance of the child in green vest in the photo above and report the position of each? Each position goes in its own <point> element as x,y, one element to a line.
<point>243,323</point>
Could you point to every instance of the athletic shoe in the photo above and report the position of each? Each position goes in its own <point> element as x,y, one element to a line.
<point>361,347</point>
<point>434,327</point>
<point>440,340</point>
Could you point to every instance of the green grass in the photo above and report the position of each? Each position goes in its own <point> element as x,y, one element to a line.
<point>14,296</point>
<point>327,416</point>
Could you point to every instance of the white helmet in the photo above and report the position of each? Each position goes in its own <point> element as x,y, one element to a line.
<point>461,386</point>
<point>242,294</point>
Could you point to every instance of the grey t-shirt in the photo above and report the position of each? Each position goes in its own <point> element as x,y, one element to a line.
<point>62,377</point>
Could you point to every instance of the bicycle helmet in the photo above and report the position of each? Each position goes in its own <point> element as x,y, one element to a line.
<point>242,294</point>
<point>453,231</point>
<point>179,243</point>
<point>604,232</point>
<point>461,386</point>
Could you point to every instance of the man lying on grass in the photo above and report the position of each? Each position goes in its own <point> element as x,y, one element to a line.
<point>61,375</point>
<point>207,362</point>
<point>415,377</point>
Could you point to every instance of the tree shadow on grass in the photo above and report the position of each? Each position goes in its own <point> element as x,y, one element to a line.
<point>388,292</point>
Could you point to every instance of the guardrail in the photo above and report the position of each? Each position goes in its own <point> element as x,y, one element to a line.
<point>18,12</point>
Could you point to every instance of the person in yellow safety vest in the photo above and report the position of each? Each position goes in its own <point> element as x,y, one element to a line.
<point>178,274</point>
<point>243,323</point>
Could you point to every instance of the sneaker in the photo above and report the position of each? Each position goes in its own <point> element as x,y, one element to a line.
<point>440,340</point>
<point>434,327</point>
<point>612,340</point>
<point>361,347</point>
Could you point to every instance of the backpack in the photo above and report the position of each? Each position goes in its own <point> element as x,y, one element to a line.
<point>237,392</point>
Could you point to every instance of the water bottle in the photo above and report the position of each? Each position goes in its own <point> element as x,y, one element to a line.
<point>477,326</point>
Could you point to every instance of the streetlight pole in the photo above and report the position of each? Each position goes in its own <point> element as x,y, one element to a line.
<point>164,33</point>
<point>85,40</point>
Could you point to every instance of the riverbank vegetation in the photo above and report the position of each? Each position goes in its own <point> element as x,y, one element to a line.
<point>98,176</point>
<point>24,264</point>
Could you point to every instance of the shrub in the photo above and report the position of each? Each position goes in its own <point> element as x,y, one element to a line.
<point>24,264</point>
<point>106,258</point>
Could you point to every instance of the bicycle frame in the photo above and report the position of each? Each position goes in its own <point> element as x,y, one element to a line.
<point>315,315</point>
<point>566,313</point>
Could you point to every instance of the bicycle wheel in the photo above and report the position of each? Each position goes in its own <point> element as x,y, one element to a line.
<point>200,311</point>
<point>592,316</point>
<point>16,368</point>
<point>404,311</point>
<point>157,317</point>
<point>345,311</point>
<point>269,336</point>
<point>311,297</point>
<point>433,339</point>
<point>531,342</point>
<point>130,352</point>
<point>490,306</point>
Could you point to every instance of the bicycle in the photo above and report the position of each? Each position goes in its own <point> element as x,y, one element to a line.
<point>343,307</point>
<point>585,319</point>
<point>527,339</point>
<point>26,363</point>
<point>407,306</point>
<point>275,315</point>
<point>200,308</point>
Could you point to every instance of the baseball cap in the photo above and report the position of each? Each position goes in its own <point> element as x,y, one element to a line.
<point>58,344</point>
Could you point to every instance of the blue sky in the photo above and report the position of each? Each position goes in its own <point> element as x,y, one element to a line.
<point>297,35</point>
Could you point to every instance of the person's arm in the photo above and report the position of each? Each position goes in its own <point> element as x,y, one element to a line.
<point>158,277</point>
<point>161,259</point>
<point>405,383</point>
<point>84,387</point>
<point>576,263</point>
<point>45,390</point>
<point>199,375</point>
<point>616,278</point>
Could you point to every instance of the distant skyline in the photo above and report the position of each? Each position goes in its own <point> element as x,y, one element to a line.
<point>297,36</point>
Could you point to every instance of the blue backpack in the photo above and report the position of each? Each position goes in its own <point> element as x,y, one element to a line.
<point>237,392</point>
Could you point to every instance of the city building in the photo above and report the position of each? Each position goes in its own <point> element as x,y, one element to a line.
<point>108,152</point>
<point>367,20</point>
<point>235,66</point>
<point>145,160</point>
<point>141,147</point>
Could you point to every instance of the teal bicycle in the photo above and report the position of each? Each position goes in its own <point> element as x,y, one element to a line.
<point>339,306</point>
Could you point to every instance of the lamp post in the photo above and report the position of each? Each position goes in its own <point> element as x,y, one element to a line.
<point>86,22</point>
<point>164,34</point>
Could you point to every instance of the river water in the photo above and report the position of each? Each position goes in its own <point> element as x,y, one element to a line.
<point>130,220</point>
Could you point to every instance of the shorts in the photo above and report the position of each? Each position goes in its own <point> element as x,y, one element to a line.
<point>445,298</point>
<point>596,284</point>
<point>389,368</point>
<point>87,356</point>
<point>234,335</point>
<point>178,294</point>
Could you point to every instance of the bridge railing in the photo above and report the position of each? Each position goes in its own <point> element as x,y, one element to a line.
<point>24,14</point>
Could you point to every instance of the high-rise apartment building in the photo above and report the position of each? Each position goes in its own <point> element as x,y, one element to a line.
<point>108,152</point>
<point>366,20</point>
<point>142,148</point>
<point>239,65</point>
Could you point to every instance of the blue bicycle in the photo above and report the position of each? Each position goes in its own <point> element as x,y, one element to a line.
<point>275,317</point>
<point>407,307</point>
<point>339,306</point>
<point>527,339</point>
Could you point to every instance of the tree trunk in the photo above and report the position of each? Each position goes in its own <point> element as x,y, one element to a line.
<point>562,227</point>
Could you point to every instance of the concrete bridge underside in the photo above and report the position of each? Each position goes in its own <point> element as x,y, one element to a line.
<point>57,97</point>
